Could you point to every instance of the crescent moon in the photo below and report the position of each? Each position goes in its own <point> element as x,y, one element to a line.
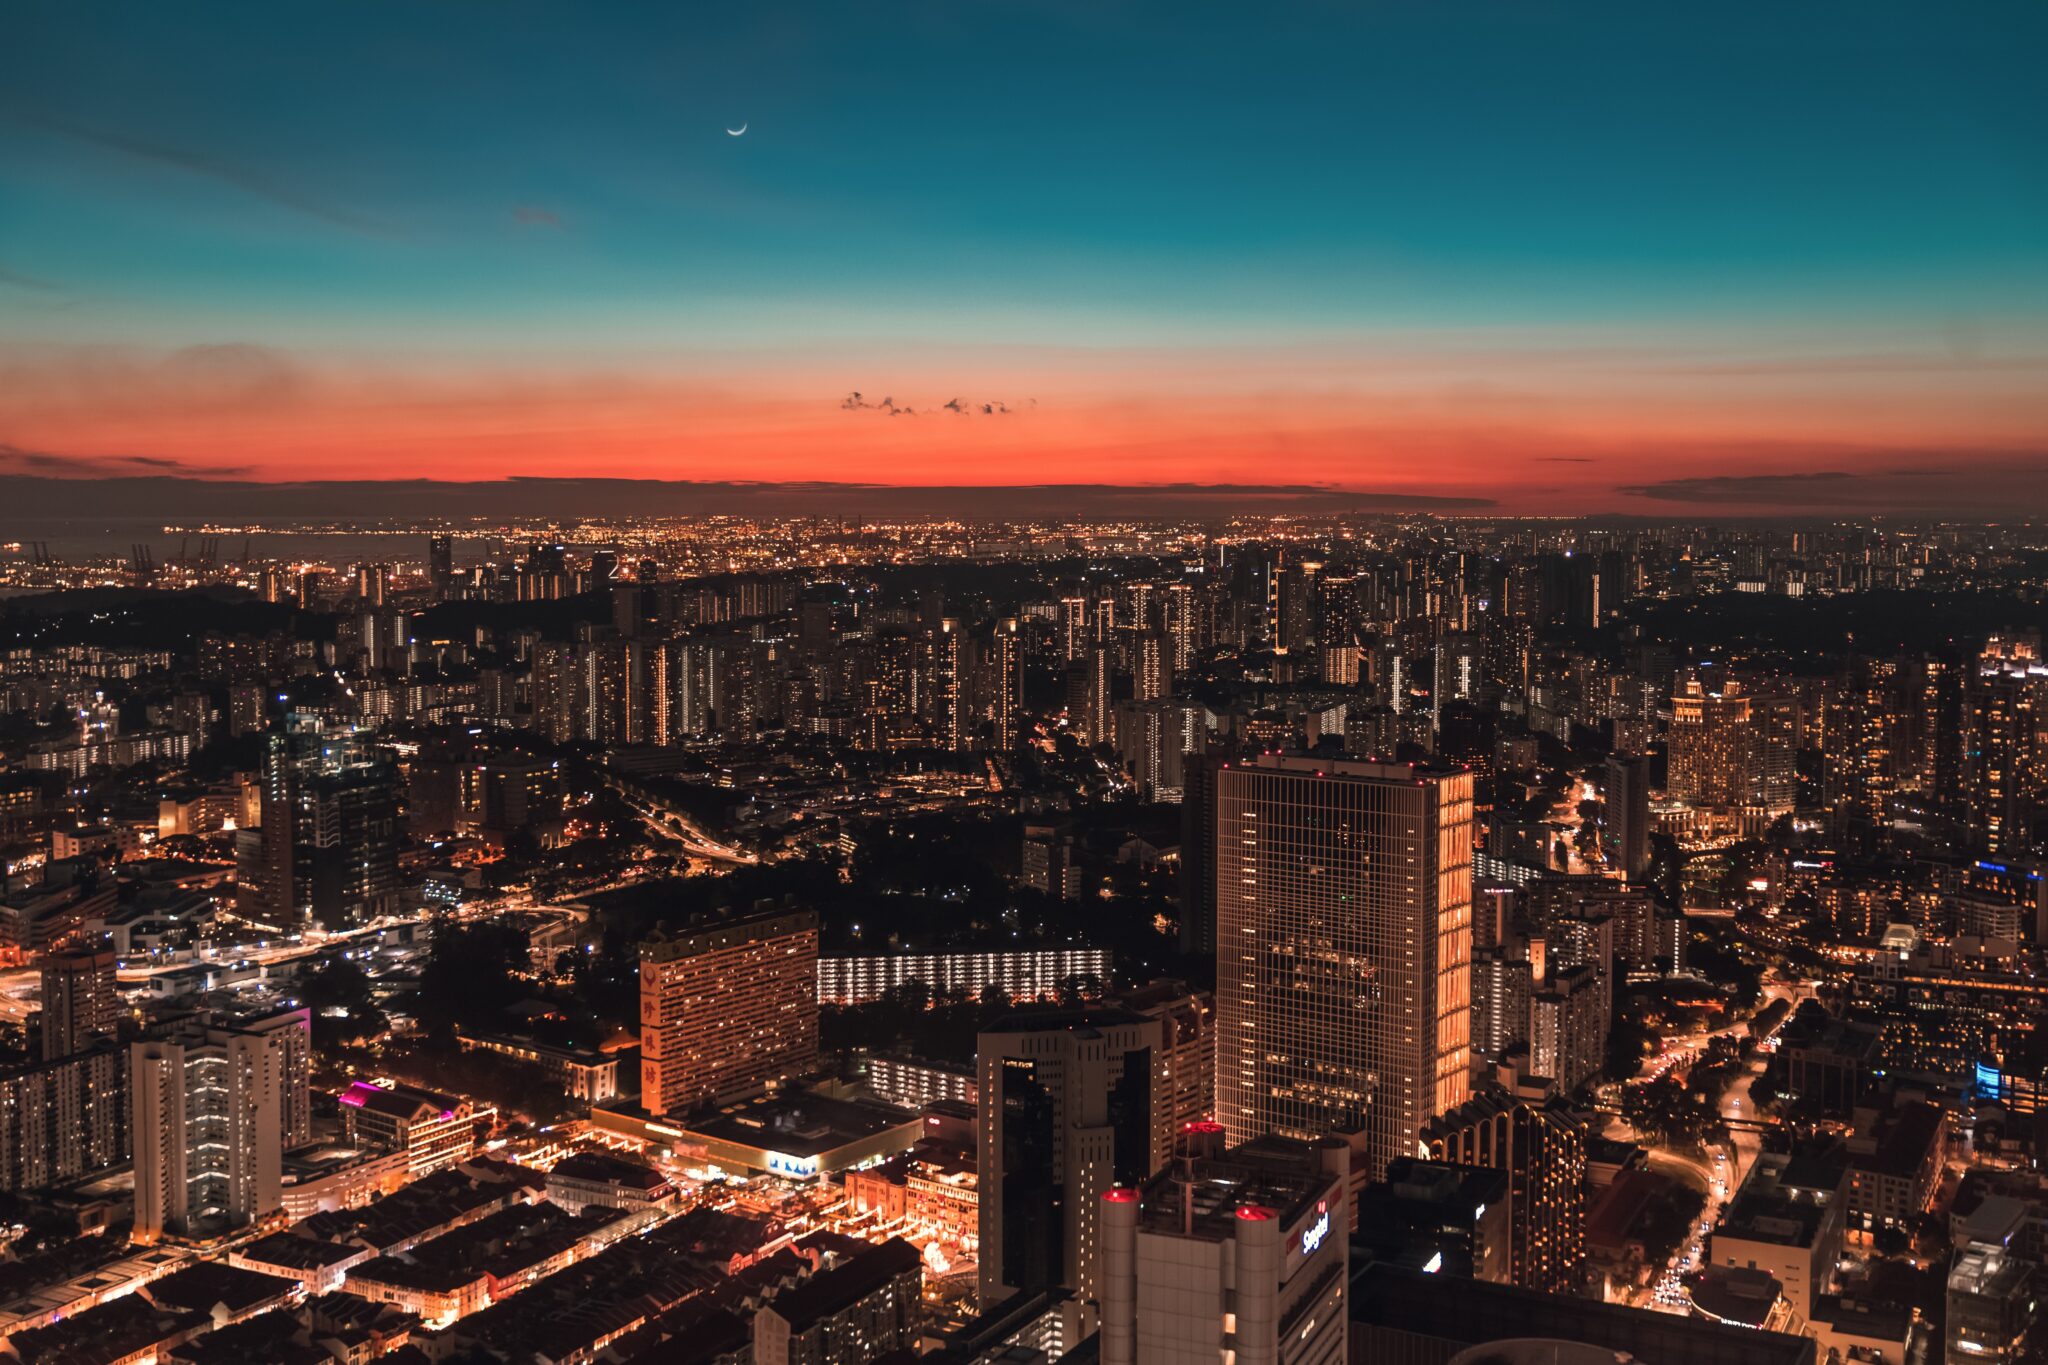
<point>735,132</point>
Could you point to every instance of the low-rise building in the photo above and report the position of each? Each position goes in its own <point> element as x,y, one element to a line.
<point>591,1179</point>
<point>858,1312</point>
<point>1787,1221</point>
<point>433,1130</point>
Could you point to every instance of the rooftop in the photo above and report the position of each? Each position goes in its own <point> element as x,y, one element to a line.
<point>802,1125</point>
<point>1278,1176</point>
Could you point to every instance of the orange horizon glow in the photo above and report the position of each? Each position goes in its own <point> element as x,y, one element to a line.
<point>1534,429</point>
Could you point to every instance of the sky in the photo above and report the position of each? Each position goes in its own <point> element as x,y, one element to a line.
<point>1541,255</point>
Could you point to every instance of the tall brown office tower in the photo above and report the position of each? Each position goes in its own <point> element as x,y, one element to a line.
<point>1343,941</point>
<point>727,1005</point>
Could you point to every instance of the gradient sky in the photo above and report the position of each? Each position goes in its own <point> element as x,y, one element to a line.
<point>1571,256</point>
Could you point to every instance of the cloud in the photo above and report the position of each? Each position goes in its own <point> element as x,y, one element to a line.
<point>15,279</point>
<point>1822,486</point>
<point>250,182</point>
<point>1985,487</point>
<point>854,401</point>
<point>959,407</point>
<point>109,466</point>
<point>531,216</point>
<point>1564,459</point>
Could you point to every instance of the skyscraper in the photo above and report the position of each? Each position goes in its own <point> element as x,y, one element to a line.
<point>1154,673</point>
<point>327,847</point>
<point>1064,1113</point>
<point>208,1122</point>
<point>1732,749</point>
<point>726,1006</point>
<point>1627,815</point>
<point>1543,1150</point>
<point>1230,1256</point>
<point>82,1005</point>
<point>441,563</point>
<point>1344,902</point>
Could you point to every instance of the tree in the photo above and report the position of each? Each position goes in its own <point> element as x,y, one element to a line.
<point>470,977</point>
<point>343,1008</point>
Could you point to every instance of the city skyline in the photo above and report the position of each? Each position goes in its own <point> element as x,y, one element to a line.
<point>1788,266</point>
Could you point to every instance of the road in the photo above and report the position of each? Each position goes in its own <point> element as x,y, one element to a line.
<point>670,823</point>
<point>1719,1174</point>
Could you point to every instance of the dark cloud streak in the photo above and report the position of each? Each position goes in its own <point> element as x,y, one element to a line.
<point>250,182</point>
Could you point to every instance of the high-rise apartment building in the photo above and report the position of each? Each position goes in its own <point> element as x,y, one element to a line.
<point>1568,1026</point>
<point>1153,676</point>
<point>727,1005</point>
<point>82,1006</point>
<point>1732,749</point>
<point>208,1120</point>
<point>1543,1150</point>
<point>63,1118</point>
<point>1343,903</point>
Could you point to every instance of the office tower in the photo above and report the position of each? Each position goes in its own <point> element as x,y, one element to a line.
<point>207,1118</point>
<point>82,1006</point>
<point>346,844</point>
<point>727,1005</point>
<point>263,855</point>
<point>1343,926</point>
<point>441,564</point>
<point>373,581</point>
<point>1154,672</point>
<point>1567,1026</point>
<point>327,847</point>
<point>271,584</point>
<point>1064,1112</point>
<point>1626,813</point>
<point>63,1118</point>
<point>312,584</point>
<point>1238,1255</point>
<point>1543,1150</point>
<point>1198,852</point>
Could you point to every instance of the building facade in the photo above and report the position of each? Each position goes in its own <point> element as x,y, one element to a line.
<point>1344,901</point>
<point>727,1007</point>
